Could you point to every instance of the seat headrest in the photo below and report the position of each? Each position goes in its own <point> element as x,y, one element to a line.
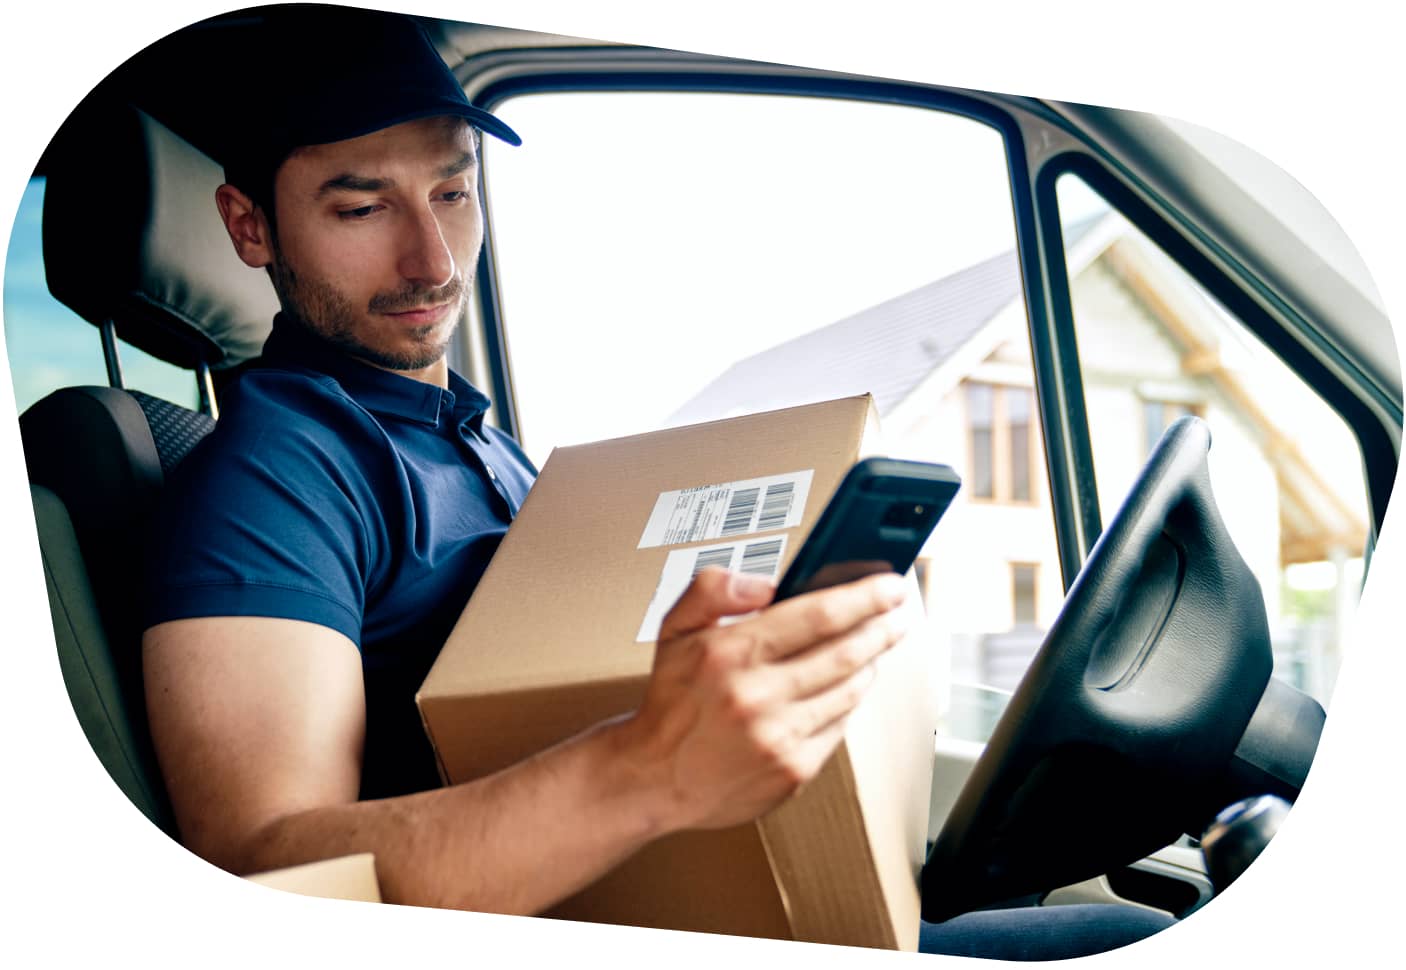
<point>132,234</point>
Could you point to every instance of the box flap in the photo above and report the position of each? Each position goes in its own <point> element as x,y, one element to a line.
<point>346,877</point>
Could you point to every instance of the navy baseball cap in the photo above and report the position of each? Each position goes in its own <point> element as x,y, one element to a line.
<point>320,74</point>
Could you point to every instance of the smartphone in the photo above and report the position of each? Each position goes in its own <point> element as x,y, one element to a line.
<point>877,521</point>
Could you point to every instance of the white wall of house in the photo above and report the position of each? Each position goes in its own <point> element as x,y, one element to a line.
<point>1126,357</point>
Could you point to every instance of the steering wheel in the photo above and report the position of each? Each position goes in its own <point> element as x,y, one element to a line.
<point>1124,732</point>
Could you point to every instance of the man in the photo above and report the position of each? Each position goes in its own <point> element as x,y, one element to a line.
<point>323,539</point>
<point>332,526</point>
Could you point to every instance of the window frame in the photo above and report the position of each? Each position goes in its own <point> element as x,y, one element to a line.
<point>1002,469</point>
<point>1033,166</point>
<point>1310,358</point>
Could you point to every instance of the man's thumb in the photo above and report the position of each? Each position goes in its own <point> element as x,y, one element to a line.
<point>713,594</point>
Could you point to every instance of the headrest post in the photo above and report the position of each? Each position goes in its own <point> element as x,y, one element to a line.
<point>206,383</point>
<point>114,363</point>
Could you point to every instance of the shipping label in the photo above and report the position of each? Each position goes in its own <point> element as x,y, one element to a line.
<point>728,510</point>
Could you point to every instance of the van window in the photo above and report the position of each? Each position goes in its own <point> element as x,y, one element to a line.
<point>1285,468</point>
<point>671,258</point>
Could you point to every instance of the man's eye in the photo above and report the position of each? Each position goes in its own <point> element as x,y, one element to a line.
<point>457,195</point>
<point>360,212</point>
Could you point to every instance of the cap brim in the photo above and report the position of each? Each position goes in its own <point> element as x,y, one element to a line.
<point>432,108</point>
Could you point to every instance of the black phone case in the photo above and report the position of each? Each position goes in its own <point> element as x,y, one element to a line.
<point>877,521</point>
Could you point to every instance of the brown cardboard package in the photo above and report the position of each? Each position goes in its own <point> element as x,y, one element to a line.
<point>345,877</point>
<point>555,639</point>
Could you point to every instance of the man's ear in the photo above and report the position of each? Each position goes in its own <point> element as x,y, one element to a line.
<point>247,226</point>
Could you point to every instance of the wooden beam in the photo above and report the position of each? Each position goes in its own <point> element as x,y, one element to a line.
<point>1200,354</point>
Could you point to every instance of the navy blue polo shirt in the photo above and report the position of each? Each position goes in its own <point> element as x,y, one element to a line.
<point>335,492</point>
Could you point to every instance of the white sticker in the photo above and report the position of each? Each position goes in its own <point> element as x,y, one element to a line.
<point>758,556</point>
<point>728,510</point>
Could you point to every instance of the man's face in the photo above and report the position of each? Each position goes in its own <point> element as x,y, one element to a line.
<point>377,238</point>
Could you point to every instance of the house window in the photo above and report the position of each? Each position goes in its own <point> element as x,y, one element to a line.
<point>1001,435</point>
<point>1023,576</point>
<point>981,422</point>
<point>1158,416</point>
<point>1018,415</point>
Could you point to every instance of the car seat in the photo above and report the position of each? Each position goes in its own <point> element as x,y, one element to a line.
<point>156,269</point>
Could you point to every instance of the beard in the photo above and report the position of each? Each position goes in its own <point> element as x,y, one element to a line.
<point>326,312</point>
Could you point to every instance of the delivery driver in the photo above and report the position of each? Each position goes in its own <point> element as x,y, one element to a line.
<point>325,536</point>
<point>320,543</point>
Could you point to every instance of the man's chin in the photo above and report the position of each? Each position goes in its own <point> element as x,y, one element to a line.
<point>406,360</point>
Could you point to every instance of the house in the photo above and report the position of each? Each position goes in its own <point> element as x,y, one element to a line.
<point>950,369</point>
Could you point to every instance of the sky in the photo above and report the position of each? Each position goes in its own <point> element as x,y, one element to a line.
<point>737,221</point>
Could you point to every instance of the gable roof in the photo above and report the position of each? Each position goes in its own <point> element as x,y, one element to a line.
<point>887,350</point>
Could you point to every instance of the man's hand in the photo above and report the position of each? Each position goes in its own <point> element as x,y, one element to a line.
<point>737,717</point>
<point>258,724</point>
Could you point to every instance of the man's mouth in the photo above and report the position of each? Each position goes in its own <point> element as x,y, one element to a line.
<point>420,316</point>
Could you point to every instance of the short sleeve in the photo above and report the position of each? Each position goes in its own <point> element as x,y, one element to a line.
<point>271,515</point>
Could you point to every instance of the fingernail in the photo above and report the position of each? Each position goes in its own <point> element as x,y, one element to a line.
<point>750,586</point>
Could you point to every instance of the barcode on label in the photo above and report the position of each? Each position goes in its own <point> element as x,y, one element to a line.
<point>756,556</point>
<point>727,510</point>
<point>712,557</point>
<point>776,506</point>
<point>761,557</point>
<point>740,511</point>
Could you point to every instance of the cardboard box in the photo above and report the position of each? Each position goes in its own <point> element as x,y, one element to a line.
<point>345,877</point>
<point>557,638</point>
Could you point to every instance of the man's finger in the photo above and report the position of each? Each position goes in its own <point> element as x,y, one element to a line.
<point>802,622</point>
<point>821,668</point>
<point>713,594</point>
<point>817,714</point>
<point>811,754</point>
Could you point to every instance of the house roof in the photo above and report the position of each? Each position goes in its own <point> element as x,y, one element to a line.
<point>887,350</point>
<point>890,349</point>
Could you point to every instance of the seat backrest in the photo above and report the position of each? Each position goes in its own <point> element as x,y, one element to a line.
<point>97,460</point>
<point>90,666</point>
<point>159,271</point>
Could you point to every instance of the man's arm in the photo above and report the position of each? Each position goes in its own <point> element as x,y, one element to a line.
<point>258,725</point>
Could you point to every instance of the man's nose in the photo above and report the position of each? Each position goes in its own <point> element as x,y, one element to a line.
<point>426,256</point>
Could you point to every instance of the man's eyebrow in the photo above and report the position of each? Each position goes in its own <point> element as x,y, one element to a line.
<point>347,182</point>
<point>461,164</point>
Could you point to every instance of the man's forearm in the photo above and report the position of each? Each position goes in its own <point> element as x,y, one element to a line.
<point>264,774</point>
<point>515,842</point>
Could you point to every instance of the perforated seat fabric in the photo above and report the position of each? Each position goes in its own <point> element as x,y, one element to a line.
<point>174,430</point>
